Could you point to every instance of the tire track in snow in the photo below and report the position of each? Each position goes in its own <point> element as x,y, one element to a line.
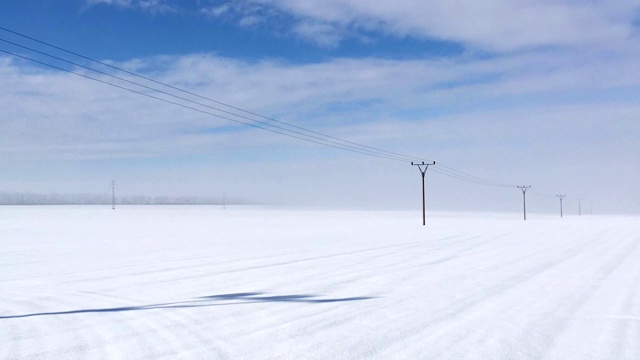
<point>39,337</point>
<point>459,308</point>
<point>400,262</point>
<point>355,315</point>
<point>407,278</point>
<point>548,327</point>
<point>545,329</point>
<point>122,334</point>
<point>609,336</point>
<point>153,279</point>
<point>630,329</point>
<point>353,270</point>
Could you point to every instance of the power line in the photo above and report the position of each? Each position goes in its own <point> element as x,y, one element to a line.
<point>300,133</point>
<point>542,194</point>
<point>200,96</point>
<point>473,180</point>
<point>381,153</point>
<point>471,177</point>
<point>332,139</point>
<point>364,152</point>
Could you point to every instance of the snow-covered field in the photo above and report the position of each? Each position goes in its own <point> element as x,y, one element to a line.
<point>203,283</point>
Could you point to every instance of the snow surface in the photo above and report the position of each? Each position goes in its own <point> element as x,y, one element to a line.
<point>202,283</point>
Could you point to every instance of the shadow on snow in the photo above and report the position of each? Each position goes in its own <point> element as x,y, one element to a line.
<point>205,301</point>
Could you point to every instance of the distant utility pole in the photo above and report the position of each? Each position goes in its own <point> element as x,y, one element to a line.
<point>561,197</point>
<point>524,198</point>
<point>113,194</point>
<point>426,166</point>
<point>579,207</point>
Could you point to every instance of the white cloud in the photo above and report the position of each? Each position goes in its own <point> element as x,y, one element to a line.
<point>246,14</point>
<point>550,117</point>
<point>495,25</point>
<point>491,25</point>
<point>215,11</point>
<point>555,106</point>
<point>57,115</point>
<point>154,6</point>
<point>319,33</point>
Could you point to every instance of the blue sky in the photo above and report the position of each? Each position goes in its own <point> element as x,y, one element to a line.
<point>120,32</point>
<point>542,93</point>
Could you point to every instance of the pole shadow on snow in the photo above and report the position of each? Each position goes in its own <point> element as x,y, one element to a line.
<point>204,301</point>
<point>253,297</point>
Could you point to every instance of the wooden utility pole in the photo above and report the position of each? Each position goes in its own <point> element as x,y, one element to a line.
<point>426,166</point>
<point>561,197</point>
<point>113,194</point>
<point>524,199</point>
<point>579,207</point>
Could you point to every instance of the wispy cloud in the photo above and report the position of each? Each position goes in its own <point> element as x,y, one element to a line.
<point>543,90</point>
<point>553,118</point>
<point>493,25</point>
<point>245,13</point>
<point>56,115</point>
<point>153,6</point>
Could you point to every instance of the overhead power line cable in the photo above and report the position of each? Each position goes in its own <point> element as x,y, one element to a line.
<point>544,194</point>
<point>468,179</point>
<point>198,110</point>
<point>451,172</point>
<point>201,96</point>
<point>247,117</point>
<point>361,149</point>
<point>332,138</point>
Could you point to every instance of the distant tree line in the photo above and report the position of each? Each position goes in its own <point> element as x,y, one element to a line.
<point>105,199</point>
